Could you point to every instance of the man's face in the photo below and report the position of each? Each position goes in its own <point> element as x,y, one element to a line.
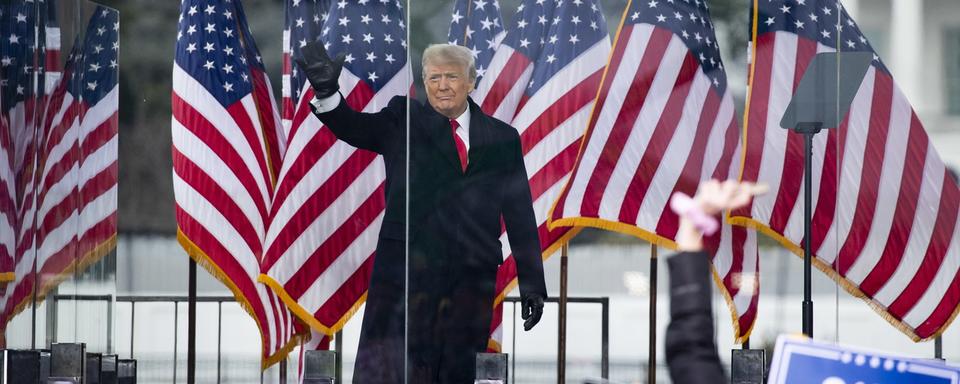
<point>447,88</point>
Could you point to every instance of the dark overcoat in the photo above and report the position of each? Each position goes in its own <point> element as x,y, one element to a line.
<point>452,238</point>
<point>690,341</point>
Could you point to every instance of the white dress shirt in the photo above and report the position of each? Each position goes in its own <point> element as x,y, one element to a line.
<point>464,130</point>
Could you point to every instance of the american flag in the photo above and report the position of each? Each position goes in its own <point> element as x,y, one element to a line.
<point>98,105</point>
<point>77,216</point>
<point>568,44</point>
<point>886,227</point>
<point>25,64</point>
<point>75,160</point>
<point>19,103</point>
<point>477,25</point>
<point>16,93</point>
<point>329,200</point>
<point>664,121</point>
<point>225,161</point>
<point>511,66</point>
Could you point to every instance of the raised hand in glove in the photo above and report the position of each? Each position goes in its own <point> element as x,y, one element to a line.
<point>322,72</point>
<point>531,309</point>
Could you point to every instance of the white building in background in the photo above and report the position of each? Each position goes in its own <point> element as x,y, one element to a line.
<point>919,40</point>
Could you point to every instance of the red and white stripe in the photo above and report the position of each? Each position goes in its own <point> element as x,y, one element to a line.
<point>223,188</point>
<point>327,212</point>
<point>24,135</point>
<point>659,127</point>
<point>58,198</point>
<point>21,155</point>
<point>14,297</point>
<point>735,257</point>
<point>501,90</point>
<point>97,184</point>
<point>18,162</point>
<point>287,102</point>
<point>274,134</point>
<point>644,143</point>
<point>76,193</point>
<point>58,154</point>
<point>887,220</point>
<point>629,166</point>
<point>27,157</point>
<point>736,265</point>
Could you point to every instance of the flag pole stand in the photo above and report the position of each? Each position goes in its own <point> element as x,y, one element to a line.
<point>338,348</point>
<point>652,361</point>
<point>938,348</point>
<point>807,130</point>
<point>562,321</point>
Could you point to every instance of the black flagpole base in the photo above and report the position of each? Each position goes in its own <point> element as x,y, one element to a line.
<point>808,318</point>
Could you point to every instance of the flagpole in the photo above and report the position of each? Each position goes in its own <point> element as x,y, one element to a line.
<point>192,323</point>
<point>338,347</point>
<point>808,130</point>
<point>562,328</point>
<point>652,361</point>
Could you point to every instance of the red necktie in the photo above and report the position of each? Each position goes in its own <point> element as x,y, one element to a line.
<point>461,147</point>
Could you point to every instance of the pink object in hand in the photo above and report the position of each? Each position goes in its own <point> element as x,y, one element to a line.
<point>683,205</point>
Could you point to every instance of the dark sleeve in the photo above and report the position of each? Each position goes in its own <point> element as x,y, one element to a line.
<point>521,224</point>
<point>690,342</point>
<point>371,131</point>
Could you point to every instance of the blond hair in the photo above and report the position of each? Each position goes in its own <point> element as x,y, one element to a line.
<point>438,54</point>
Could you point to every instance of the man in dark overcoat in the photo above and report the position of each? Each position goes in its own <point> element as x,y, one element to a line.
<point>454,177</point>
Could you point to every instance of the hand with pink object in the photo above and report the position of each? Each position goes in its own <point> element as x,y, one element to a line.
<point>697,214</point>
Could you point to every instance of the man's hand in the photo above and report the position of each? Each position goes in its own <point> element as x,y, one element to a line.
<point>531,309</point>
<point>322,72</point>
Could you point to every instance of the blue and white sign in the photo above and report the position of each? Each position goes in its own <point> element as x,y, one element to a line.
<point>801,360</point>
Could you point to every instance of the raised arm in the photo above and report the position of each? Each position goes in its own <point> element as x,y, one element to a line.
<point>370,131</point>
<point>690,341</point>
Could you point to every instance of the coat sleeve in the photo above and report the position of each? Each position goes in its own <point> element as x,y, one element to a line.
<point>690,341</point>
<point>371,131</point>
<point>521,223</point>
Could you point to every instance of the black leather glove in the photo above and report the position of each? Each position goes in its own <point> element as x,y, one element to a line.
<point>322,72</point>
<point>531,309</point>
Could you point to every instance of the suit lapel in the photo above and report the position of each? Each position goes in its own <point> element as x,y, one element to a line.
<point>479,136</point>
